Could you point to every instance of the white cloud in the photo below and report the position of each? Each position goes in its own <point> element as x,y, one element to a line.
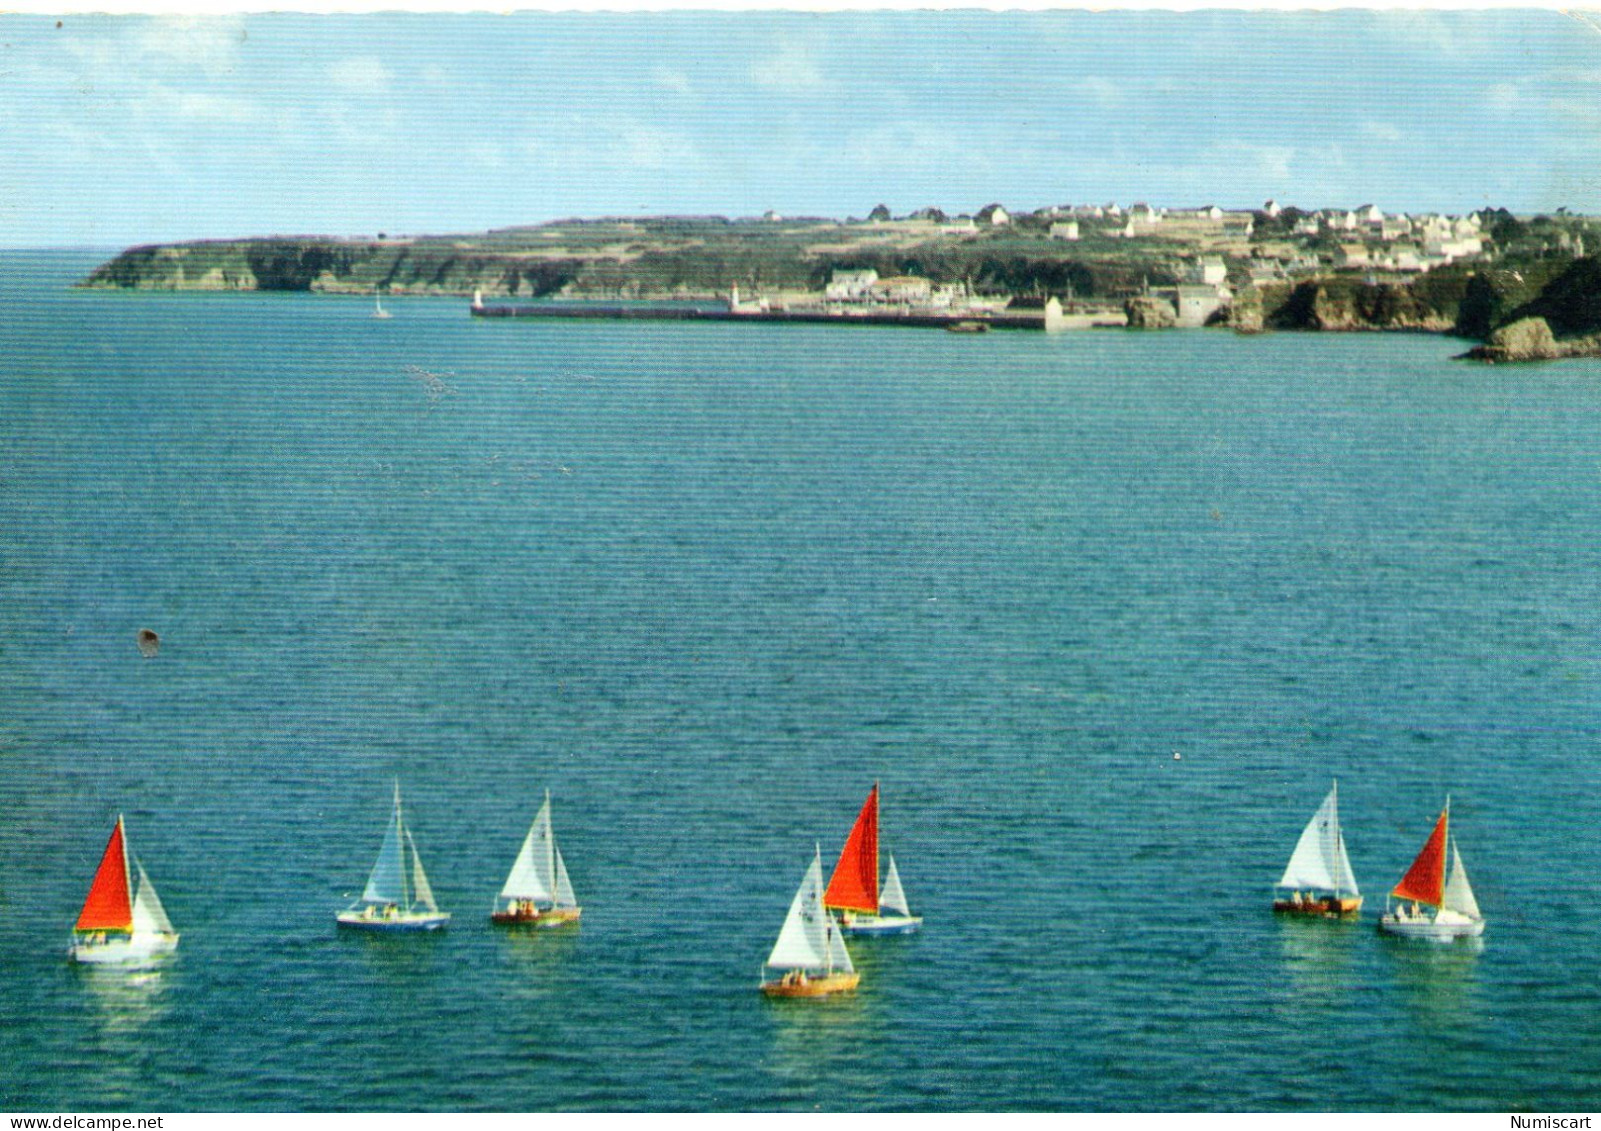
<point>669,79</point>
<point>1381,131</point>
<point>643,147</point>
<point>196,106</point>
<point>487,154</point>
<point>360,74</point>
<point>210,44</point>
<point>1103,92</point>
<point>792,71</point>
<point>1503,98</point>
<point>1269,164</point>
<point>895,144</point>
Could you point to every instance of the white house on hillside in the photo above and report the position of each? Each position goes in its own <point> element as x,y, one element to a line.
<point>845,285</point>
<point>1210,271</point>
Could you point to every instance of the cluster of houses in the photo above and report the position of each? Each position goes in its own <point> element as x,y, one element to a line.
<point>1222,243</point>
<point>1367,236</point>
<point>866,287</point>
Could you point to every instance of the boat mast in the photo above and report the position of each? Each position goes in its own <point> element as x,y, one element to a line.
<point>400,849</point>
<point>878,888</point>
<point>1445,856</point>
<point>1339,841</point>
<point>550,849</point>
<point>828,917</point>
<point>127,874</point>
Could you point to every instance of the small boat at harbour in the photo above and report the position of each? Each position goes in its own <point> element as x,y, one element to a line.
<point>122,921</point>
<point>1456,912</point>
<point>1320,866</point>
<point>390,902</point>
<point>853,889</point>
<point>810,950</point>
<point>538,892</point>
<point>967,326</point>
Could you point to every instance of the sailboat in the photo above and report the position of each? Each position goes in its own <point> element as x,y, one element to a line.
<point>378,310</point>
<point>853,891</point>
<point>389,903</point>
<point>121,921</point>
<point>537,891</point>
<point>1320,865</point>
<point>810,949</point>
<point>1456,912</point>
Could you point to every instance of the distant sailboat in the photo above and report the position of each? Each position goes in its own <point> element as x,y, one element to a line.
<point>121,922</point>
<point>389,903</point>
<point>537,891</point>
<point>810,949</point>
<point>853,889</point>
<point>378,310</point>
<point>1319,865</point>
<point>1457,914</point>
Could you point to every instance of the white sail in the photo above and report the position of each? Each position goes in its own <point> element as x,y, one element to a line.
<point>148,914</point>
<point>803,944</point>
<point>1342,868</point>
<point>545,847</point>
<point>1319,860</point>
<point>893,897</point>
<point>524,881</point>
<point>387,884</point>
<point>1458,893</point>
<point>839,959</point>
<point>419,880</point>
<point>564,886</point>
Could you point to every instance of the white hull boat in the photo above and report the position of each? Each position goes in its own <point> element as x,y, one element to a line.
<point>1456,913</point>
<point>853,890</point>
<point>112,950</point>
<point>122,922</point>
<point>1444,926</point>
<point>390,902</point>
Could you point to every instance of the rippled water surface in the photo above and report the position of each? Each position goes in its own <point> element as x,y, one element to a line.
<point>707,583</point>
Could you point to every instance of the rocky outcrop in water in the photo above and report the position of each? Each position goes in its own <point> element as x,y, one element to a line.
<point>1146,312</point>
<point>1531,339</point>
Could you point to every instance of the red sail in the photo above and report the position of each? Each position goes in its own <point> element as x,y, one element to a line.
<point>854,884</point>
<point>1425,880</point>
<point>108,907</point>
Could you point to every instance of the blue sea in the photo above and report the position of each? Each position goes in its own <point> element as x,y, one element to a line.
<point>707,583</point>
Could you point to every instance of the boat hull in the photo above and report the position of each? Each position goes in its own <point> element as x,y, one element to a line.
<point>402,921</point>
<point>1325,907</point>
<point>550,917</point>
<point>812,987</point>
<point>122,950</point>
<point>1442,929</point>
<point>880,924</point>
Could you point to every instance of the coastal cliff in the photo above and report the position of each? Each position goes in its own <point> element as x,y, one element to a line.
<point>1430,305</point>
<point>705,258</point>
<point>1562,320</point>
<point>331,265</point>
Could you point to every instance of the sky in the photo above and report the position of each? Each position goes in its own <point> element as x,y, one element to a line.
<point>116,130</point>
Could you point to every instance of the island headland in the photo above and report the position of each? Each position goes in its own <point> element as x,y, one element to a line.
<point>1524,286</point>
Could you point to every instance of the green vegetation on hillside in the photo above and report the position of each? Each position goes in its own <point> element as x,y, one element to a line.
<point>1536,267</point>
